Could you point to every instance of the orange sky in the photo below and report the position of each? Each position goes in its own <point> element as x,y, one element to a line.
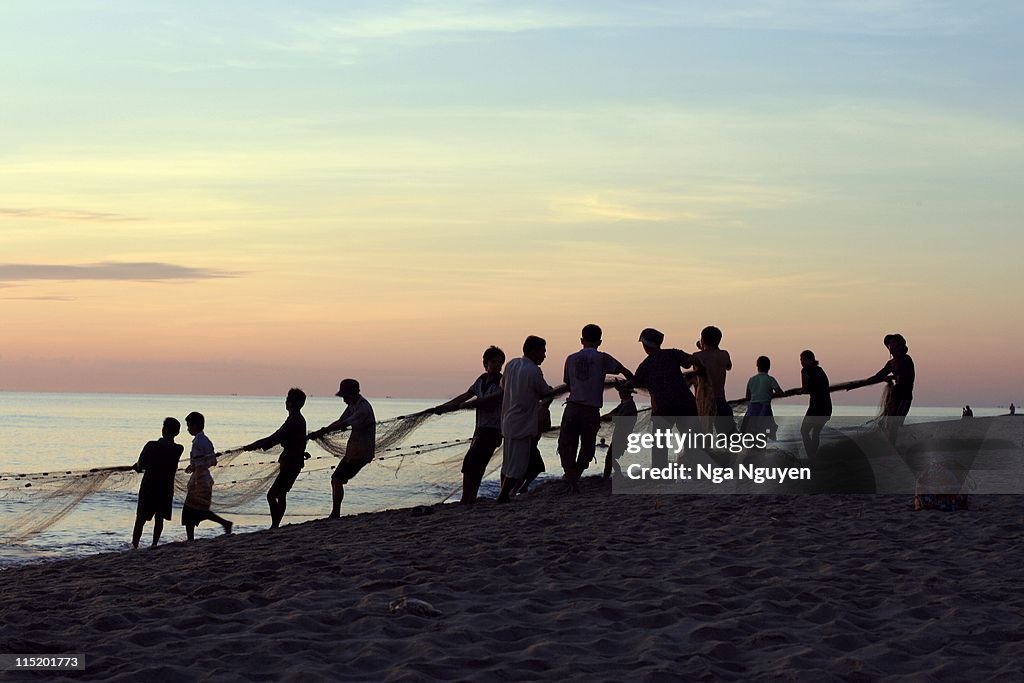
<point>211,203</point>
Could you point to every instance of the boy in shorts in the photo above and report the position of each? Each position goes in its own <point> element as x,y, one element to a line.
<point>291,436</point>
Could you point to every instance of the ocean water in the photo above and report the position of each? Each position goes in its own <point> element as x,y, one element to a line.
<point>53,432</point>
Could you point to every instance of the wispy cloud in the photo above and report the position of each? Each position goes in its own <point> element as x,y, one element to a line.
<point>136,272</point>
<point>9,213</point>
<point>36,298</point>
<point>419,22</point>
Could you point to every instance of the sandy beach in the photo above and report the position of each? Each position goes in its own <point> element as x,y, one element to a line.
<point>593,587</point>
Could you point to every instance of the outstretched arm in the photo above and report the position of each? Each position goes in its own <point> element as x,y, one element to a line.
<point>624,371</point>
<point>452,404</point>
<point>266,442</point>
<point>884,373</point>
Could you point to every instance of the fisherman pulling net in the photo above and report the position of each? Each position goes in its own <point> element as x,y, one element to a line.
<point>37,501</point>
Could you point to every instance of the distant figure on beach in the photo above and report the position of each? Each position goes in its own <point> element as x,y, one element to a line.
<point>158,463</point>
<point>199,495</point>
<point>627,413</point>
<point>1013,409</point>
<point>487,434</point>
<point>819,409</point>
<point>524,388</point>
<point>712,364</point>
<point>968,412</point>
<point>761,389</point>
<point>584,374</point>
<point>661,376</point>
<point>359,451</point>
<point>291,436</point>
<point>899,373</point>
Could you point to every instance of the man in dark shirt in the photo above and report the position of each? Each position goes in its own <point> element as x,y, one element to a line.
<point>291,436</point>
<point>661,376</point>
<point>819,407</point>
<point>487,435</point>
<point>158,462</point>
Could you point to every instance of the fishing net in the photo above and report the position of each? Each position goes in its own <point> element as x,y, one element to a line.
<point>34,502</point>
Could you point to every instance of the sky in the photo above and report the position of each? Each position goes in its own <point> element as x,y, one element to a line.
<point>241,197</point>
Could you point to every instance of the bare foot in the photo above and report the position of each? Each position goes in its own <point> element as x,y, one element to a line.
<point>228,527</point>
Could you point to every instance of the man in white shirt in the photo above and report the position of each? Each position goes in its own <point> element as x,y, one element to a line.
<point>523,388</point>
<point>199,494</point>
<point>585,371</point>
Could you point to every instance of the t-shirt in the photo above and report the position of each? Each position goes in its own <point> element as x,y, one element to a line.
<point>202,453</point>
<point>901,369</point>
<point>584,373</point>
<point>488,416</point>
<point>714,364</point>
<point>359,418</point>
<point>291,436</point>
<point>660,374</point>
<point>524,386</point>
<point>159,462</point>
<point>815,384</point>
<point>760,387</point>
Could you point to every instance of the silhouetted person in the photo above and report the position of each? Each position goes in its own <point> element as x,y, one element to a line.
<point>661,376</point>
<point>584,374</point>
<point>487,434</point>
<point>536,465</point>
<point>968,412</point>
<point>899,372</point>
<point>359,418</point>
<point>158,463</point>
<point>627,413</point>
<point>199,495</point>
<point>524,388</point>
<point>712,364</point>
<point>1013,409</point>
<point>819,407</point>
<point>291,436</point>
<point>761,389</point>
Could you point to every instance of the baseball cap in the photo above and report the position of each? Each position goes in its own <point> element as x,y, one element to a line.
<point>350,386</point>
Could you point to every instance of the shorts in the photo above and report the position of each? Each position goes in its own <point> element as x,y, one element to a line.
<point>190,516</point>
<point>759,419</point>
<point>346,471</point>
<point>898,405</point>
<point>199,494</point>
<point>536,465</point>
<point>516,457</point>
<point>286,478</point>
<point>725,422</point>
<point>579,431</point>
<point>154,504</point>
<point>486,440</point>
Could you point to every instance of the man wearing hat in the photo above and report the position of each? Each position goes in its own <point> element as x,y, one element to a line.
<point>661,376</point>
<point>359,418</point>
